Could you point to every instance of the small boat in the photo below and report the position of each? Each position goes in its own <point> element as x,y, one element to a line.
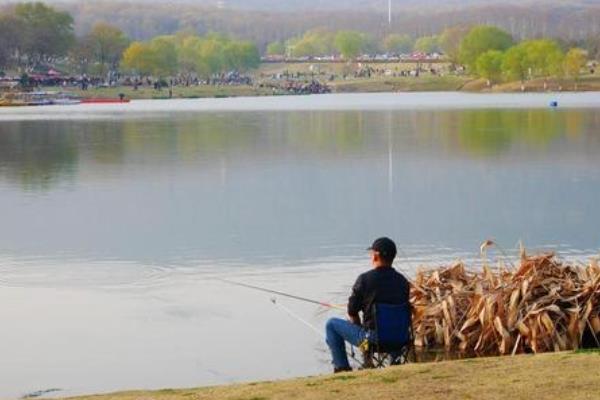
<point>15,99</point>
<point>38,99</point>
<point>65,99</point>
<point>65,102</point>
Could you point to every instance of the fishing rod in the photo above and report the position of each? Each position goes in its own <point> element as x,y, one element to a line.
<point>310,326</point>
<point>279,293</point>
<point>290,312</point>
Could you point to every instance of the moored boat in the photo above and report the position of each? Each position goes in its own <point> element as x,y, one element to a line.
<point>65,102</point>
<point>15,99</point>
<point>38,98</point>
<point>65,99</point>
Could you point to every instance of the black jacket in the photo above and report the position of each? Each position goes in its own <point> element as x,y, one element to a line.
<point>380,285</point>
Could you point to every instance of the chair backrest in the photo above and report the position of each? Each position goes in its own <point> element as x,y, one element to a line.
<point>392,326</point>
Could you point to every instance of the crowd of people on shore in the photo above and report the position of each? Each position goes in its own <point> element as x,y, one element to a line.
<point>300,84</point>
<point>363,71</point>
<point>297,87</point>
<point>313,80</point>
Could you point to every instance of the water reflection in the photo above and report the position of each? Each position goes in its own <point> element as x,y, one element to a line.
<point>36,157</point>
<point>493,132</point>
<point>39,155</point>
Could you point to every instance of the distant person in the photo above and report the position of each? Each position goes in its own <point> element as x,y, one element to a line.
<point>382,284</point>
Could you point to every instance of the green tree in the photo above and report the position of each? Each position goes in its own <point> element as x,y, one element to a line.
<point>139,57</point>
<point>514,65</point>
<point>10,35</point>
<point>107,43</point>
<point>276,49</point>
<point>398,44</point>
<point>489,65</point>
<point>534,58</point>
<point>46,33</point>
<point>481,39</point>
<point>81,56</point>
<point>303,48</point>
<point>188,53</point>
<point>575,61</point>
<point>211,58</point>
<point>349,43</point>
<point>427,44</point>
<point>164,56</point>
<point>316,42</point>
<point>450,41</point>
<point>240,56</point>
<point>544,57</point>
<point>249,56</point>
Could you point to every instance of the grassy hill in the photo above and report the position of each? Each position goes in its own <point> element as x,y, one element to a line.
<point>548,376</point>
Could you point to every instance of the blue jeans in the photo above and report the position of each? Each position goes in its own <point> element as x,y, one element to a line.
<point>337,332</point>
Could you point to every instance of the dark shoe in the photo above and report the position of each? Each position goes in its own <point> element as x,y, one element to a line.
<point>343,369</point>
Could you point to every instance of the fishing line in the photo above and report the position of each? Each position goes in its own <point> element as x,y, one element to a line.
<point>313,328</point>
<point>414,270</point>
<point>298,318</point>
<point>279,293</point>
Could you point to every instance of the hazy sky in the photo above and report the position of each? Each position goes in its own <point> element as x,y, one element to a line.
<point>397,5</point>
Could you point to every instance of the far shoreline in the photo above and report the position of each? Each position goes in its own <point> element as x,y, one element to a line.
<point>352,102</point>
<point>428,84</point>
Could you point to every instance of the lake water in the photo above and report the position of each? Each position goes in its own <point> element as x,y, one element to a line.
<point>118,221</point>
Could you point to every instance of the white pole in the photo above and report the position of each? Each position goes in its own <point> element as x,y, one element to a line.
<point>390,13</point>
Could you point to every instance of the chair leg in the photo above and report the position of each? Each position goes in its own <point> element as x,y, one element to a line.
<point>368,360</point>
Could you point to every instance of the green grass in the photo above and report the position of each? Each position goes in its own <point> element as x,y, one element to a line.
<point>202,91</point>
<point>547,376</point>
<point>400,84</point>
<point>588,351</point>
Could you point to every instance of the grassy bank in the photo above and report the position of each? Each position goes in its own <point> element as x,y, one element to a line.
<point>374,85</point>
<point>547,376</point>
<point>586,83</point>
<point>426,82</point>
<point>400,84</point>
<point>202,91</point>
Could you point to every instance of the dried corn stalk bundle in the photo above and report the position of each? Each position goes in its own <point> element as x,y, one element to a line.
<point>542,305</point>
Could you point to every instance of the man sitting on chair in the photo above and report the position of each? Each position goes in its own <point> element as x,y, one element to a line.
<point>382,284</point>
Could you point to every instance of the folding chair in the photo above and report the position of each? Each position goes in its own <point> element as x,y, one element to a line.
<point>392,341</point>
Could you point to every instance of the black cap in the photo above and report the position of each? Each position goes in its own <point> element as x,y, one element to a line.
<point>385,247</point>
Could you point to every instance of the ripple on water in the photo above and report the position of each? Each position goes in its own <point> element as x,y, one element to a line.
<point>52,273</point>
<point>72,272</point>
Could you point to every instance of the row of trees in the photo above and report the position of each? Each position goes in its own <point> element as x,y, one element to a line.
<point>486,51</point>
<point>99,51</point>
<point>492,53</point>
<point>350,43</point>
<point>573,21</point>
<point>189,54</point>
<point>35,35</point>
<point>321,42</point>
